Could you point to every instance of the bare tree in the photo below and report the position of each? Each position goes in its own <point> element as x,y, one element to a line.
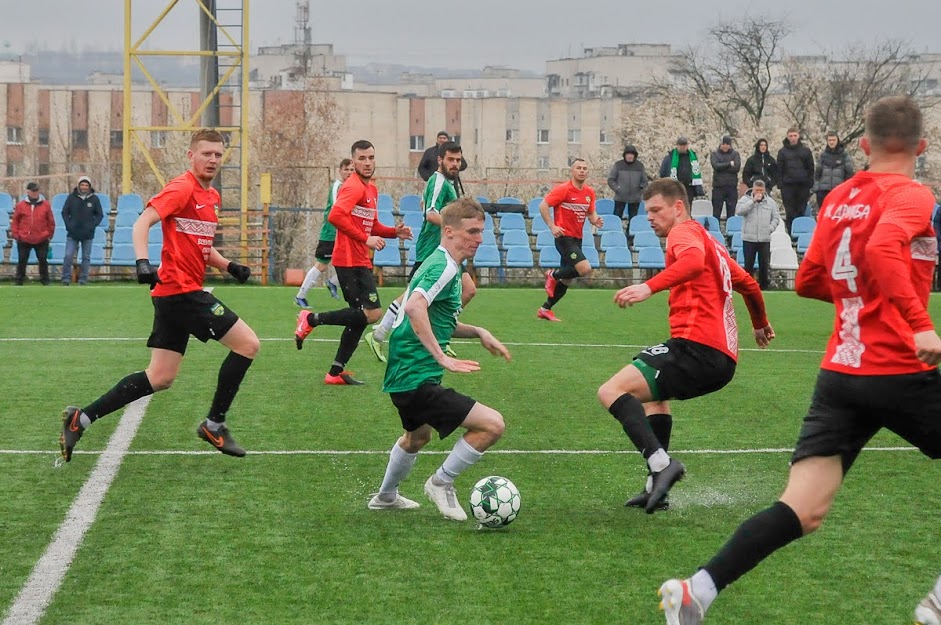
<point>822,96</point>
<point>733,73</point>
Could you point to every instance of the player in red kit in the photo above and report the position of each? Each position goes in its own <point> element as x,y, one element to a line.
<point>873,257</point>
<point>358,231</point>
<point>572,203</point>
<point>701,354</point>
<point>187,209</point>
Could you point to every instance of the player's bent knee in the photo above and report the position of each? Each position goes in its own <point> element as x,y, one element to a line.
<point>414,441</point>
<point>373,315</point>
<point>608,393</point>
<point>160,382</point>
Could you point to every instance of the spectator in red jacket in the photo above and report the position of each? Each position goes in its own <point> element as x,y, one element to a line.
<point>32,227</point>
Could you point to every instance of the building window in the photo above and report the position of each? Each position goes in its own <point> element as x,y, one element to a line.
<point>575,136</point>
<point>512,136</point>
<point>14,135</point>
<point>79,139</point>
<point>456,139</point>
<point>11,169</point>
<point>416,143</point>
<point>77,168</point>
<point>542,136</point>
<point>44,137</point>
<point>44,169</point>
<point>603,137</point>
<point>158,138</point>
<point>117,138</point>
<point>542,162</point>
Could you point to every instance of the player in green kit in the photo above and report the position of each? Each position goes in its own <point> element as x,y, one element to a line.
<point>439,192</point>
<point>328,235</point>
<point>417,363</point>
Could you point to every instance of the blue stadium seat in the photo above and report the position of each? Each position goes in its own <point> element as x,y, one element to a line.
<point>736,243</point>
<point>644,240</point>
<point>413,221</point>
<point>732,225</point>
<point>4,221</point>
<point>592,255</point>
<point>512,221</point>
<point>586,230</point>
<point>803,242</point>
<point>642,209</point>
<point>533,207</point>
<point>604,206</point>
<point>545,239</point>
<point>611,240</point>
<point>122,255</point>
<point>513,238</point>
<point>122,236</point>
<point>488,221</point>
<point>612,223</point>
<point>802,225</point>
<point>483,199</point>
<point>56,253</point>
<point>638,224</point>
<point>718,236</point>
<point>58,201</point>
<point>156,233</point>
<point>490,238</point>
<point>130,202</point>
<point>410,256</point>
<point>410,204</point>
<point>549,257</point>
<point>125,219</point>
<point>740,257</point>
<point>388,256</point>
<point>618,258</point>
<point>60,235</point>
<point>6,202</point>
<point>105,202</point>
<point>651,258</point>
<point>519,256</point>
<point>385,202</point>
<point>153,252</point>
<point>710,223</point>
<point>487,256</point>
<point>510,200</point>
<point>386,218</point>
<point>98,249</point>
<point>538,224</point>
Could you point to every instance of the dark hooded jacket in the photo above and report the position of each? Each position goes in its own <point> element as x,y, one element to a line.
<point>833,168</point>
<point>81,216</point>
<point>795,165</point>
<point>628,180</point>
<point>760,166</point>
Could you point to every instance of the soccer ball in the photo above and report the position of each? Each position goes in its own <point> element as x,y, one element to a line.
<point>495,501</point>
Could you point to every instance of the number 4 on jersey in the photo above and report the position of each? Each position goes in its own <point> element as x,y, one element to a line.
<point>843,267</point>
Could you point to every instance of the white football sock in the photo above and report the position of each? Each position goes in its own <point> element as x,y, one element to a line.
<point>312,276</point>
<point>658,461</point>
<point>382,330</point>
<point>461,457</point>
<point>937,588</point>
<point>703,588</point>
<point>400,465</point>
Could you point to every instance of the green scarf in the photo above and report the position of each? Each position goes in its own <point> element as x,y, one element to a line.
<point>694,163</point>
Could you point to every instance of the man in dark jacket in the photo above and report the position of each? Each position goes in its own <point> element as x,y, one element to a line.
<point>834,167</point>
<point>682,164</point>
<point>82,214</point>
<point>796,169</point>
<point>32,227</point>
<point>726,164</point>
<point>761,166</point>
<point>429,160</point>
<point>627,179</point>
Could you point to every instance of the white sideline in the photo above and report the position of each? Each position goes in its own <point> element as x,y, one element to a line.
<point>38,591</point>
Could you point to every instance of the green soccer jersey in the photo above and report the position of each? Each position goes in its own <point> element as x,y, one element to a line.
<point>439,192</point>
<point>328,232</point>
<point>410,364</point>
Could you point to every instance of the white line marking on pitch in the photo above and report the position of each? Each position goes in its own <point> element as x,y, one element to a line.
<point>384,452</point>
<point>38,591</point>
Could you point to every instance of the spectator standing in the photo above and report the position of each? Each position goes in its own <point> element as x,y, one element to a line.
<point>761,165</point>
<point>726,163</point>
<point>796,168</point>
<point>429,160</point>
<point>81,213</point>
<point>682,164</point>
<point>32,227</point>
<point>759,219</point>
<point>628,179</point>
<point>834,167</point>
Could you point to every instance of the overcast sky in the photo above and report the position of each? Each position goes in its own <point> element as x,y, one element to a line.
<point>474,33</point>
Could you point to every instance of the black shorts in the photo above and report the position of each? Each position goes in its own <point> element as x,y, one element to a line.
<point>683,369</point>
<point>411,274</point>
<point>358,286</point>
<point>324,251</point>
<point>197,313</point>
<point>442,408</point>
<point>570,249</point>
<point>847,410</point>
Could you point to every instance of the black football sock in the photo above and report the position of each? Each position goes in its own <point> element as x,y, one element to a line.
<point>753,541</point>
<point>630,412</point>
<point>230,378</point>
<point>129,389</point>
<point>568,272</point>
<point>349,341</point>
<point>662,426</point>
<point>342,317</point>
<point>560,290</point>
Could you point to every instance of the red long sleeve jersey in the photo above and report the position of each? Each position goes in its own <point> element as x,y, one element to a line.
<point>873,255</point>
<point>354,215</point>
<point>701,277</point>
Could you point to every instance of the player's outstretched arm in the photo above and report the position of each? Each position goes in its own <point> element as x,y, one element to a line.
<point>416,308</point>
<point>489,341</point>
